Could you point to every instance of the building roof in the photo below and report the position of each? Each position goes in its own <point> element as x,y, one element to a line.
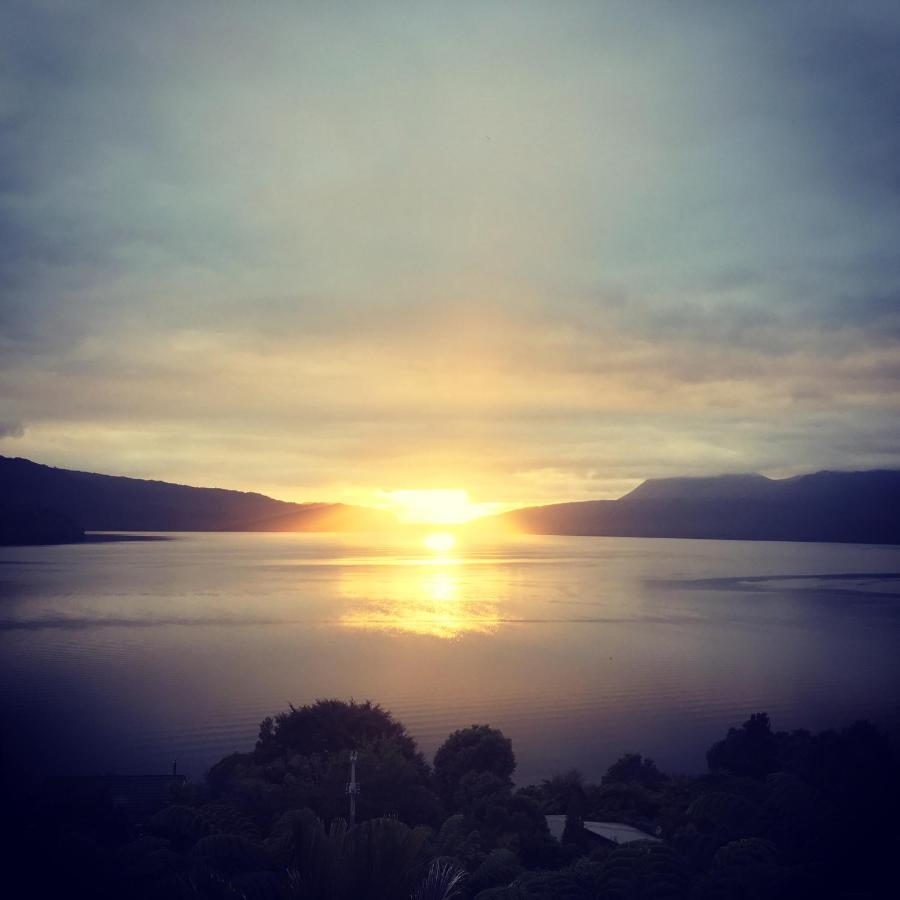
<point>615,832</point>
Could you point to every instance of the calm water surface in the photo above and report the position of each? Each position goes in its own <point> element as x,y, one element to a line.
<point>124,656</point>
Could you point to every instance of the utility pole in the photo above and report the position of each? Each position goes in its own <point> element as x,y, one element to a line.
<point>353,787</point>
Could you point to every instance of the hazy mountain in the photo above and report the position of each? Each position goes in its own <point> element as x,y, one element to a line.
<point>716,487</point>
<point>30,492</point>
<point>853,507</point>
<point>40,504</point>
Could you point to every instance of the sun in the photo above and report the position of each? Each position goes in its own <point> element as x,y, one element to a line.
<point>440,506</point>
<point>440,542</point>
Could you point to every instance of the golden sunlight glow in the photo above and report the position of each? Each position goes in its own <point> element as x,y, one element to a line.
<point>440,619</point>
<point>436,596</point>
<point>442,542</point>
<point>435,507</point>
<point>418,602</point>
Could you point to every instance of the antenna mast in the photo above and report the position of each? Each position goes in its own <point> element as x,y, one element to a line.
<point>353,787</point>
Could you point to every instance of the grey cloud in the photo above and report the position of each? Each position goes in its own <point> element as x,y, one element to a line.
<point>304,220</point>
<point>852,60</point>
<point>11,429</point>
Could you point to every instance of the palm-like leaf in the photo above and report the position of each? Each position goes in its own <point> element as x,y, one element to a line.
<point>443,881</point>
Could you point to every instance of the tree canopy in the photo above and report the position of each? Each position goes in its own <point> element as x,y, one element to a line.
<point>329,726</point>
<point>769,820</point>
<point>750,750</point>
<point>471,751</point>
<point>632,767</point>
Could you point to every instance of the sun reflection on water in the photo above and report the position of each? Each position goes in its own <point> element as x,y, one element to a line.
<point>436,598</point>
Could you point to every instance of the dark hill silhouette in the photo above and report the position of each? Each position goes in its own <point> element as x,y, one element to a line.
<point>114,503</point>
<point>34,525</point>
<point>40,504</point>
<point>846,507</point>
<point>749,487</point>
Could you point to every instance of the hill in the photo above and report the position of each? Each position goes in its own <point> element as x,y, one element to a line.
<point>29,491</point>
<point>41,504</point>
<point>845,507</point>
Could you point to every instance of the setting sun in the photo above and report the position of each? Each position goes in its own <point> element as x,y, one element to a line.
<point>434,506</point>
<point>440,542</point>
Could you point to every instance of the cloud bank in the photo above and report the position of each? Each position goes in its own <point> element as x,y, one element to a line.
<point>535,251</point>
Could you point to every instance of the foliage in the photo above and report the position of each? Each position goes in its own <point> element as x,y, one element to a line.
<point>330,726</point>
<point>554,796</point>
<point>228,819</point>
<point>751,750</point>
<point>221,773</point>
<point>629,802</point>
<point>644,869</point>
<point>476,750</point>
<point>379,859</point>
<point>742,870</point>
<point>458,840</point>
<point>546,885</point>
<point>444,880</point>
<point>302,759</point>
<point>729,814</point>
<point>231,853</point>
<point>476,792</point>
<point>632,767</point>
<point>499,868</point>
<point>180,825</point>
<point>269,824</point>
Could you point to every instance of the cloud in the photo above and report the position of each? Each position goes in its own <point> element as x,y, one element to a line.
<point>11,430</point>
<point>352,245</point>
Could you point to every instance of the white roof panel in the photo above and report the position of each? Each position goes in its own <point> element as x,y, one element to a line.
<point>617,832</point>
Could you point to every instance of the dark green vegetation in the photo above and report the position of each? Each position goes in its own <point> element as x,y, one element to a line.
<point>850,507</point>
<point>778,815</point>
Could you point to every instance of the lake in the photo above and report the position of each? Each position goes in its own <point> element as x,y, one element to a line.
<point>124,656</point>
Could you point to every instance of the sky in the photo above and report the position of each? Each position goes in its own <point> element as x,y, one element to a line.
<point>537,251</point>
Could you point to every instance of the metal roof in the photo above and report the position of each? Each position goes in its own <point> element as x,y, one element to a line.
<point>615,832</point>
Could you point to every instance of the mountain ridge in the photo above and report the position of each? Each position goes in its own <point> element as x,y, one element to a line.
<point>42,504</point>
<point>861,506</point>
<point>120,503</point>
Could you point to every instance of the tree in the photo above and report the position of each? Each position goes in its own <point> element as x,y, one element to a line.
<point>574,833</point>
<point>728,815</point>
<point>499,868</point>
<point>555,794</point>
<point>476,749</point>
<point>643,869</point>
<point>302,759</point>
<point>632,767</point>
<point>751,750</point>
<point>742,870</point>
<point>330,726</point>
<point>380,859</point>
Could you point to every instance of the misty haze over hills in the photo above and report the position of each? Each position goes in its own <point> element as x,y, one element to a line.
<point>39,503</point>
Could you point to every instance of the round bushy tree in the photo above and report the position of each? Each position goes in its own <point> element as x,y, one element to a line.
<point>634,768</point>
<point>476,749</point>
<point>302,758</point>
<point>330,726</point>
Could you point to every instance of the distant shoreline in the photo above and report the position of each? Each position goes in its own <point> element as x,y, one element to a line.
<point>92,537</point>
<point>106,537</point>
